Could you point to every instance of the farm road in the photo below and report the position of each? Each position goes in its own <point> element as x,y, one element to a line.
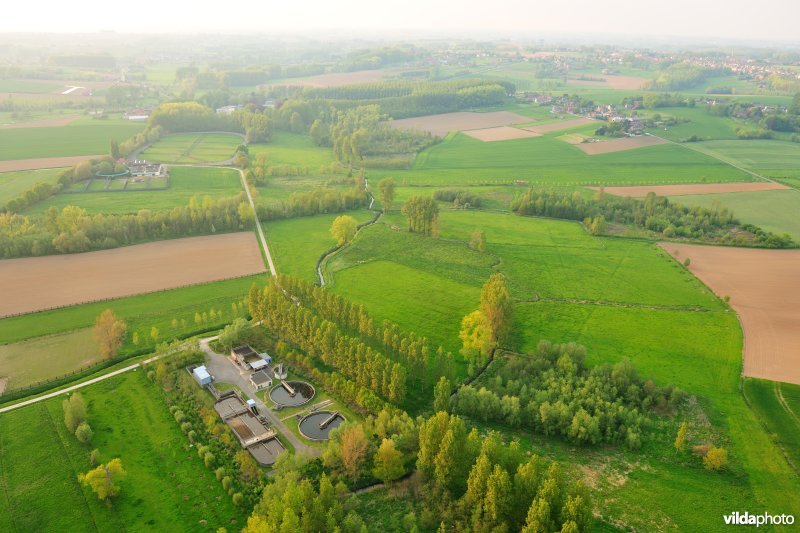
<point>225,371</point>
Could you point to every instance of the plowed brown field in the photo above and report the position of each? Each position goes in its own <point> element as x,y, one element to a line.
<point>619,145</point>
<point>640,191</point>
<point>36,283</point>
<point>501,133</point>
<point>463,120</point>
<point>561,125</point>
<point>765,293</point>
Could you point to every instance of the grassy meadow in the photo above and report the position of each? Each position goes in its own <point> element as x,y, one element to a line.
<point>14,184</point>
<point>190,148</point>
<point>777,406</point>
<point>167,487</point>
<point>775,211</point>
<point>86,136</point>
<point>184,183</point>
<point>772,158</point>
<point>28,362</point>
<point>547,160</point>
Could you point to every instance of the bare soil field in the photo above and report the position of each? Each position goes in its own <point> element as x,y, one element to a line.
<point>561,125</point>
<point>763,288</point>
<point>618,145</point>
<point>501,133</point>
<point>36,283</point>
<point>43,162</point>
<point>460,121</point>
<point>640,191</point>
<point>630,83</point>
<point>53,122</point>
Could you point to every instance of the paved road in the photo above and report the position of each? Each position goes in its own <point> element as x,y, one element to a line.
<point>225,371</point>
<point>80,385</point>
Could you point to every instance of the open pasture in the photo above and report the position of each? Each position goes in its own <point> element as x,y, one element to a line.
<point>84,137</point>
<point>50,123</point>
<point>777,211</point>
<point>14,184</point>
<point>763,291</point>
<point>546,160</point>
<point>612,81</point>
<point>43,358</point>
<point>640,191</point>
<point>193,148</point>
<point>619,145</point>
<point>184,183</point>
<point>36,283</point>
<point>167,488</point>
<point>444,123</point>
<point>500,133</point>
<point>771,158</point>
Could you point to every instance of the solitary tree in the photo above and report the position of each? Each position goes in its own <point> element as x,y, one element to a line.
<point>109,332</point>
<point>386,188</point>
<point>680,440</point>
<point>74,411</point>
<point>388,462</point>
<point>497,306</point>
<point>716,458</point>
<point>477,240</point>
<point>84,433</point>
<point>354,450</point>
<point>343,229</point>
<point>103,479</point>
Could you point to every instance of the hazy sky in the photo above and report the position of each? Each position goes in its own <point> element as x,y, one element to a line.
<point>743,19</point>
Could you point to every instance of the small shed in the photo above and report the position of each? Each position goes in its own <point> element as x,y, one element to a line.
<point>261,379</point>
<point>201,375</point>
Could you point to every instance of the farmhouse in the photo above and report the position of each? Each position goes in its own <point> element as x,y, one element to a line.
<point>247,357</point>
<point>262,379</point>
<point>137,115</point>
<point>139,168</point>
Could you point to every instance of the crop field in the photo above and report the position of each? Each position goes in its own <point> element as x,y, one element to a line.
<point>444,123</point>
<point>297,243</point>
<point>611,81</point>
<point>776,406</point>
<point>772,210</point>
<point>44,358</point>
<point>28,86</point>
<point>49,123</point>
<point>761,287</point>
<point>167,488</point>
<point>699,189</point>
<point>14,184</point>
<point>771,158</point>
<point>560,125</point>
<point>184,183</point>
<point>619,145</point>
<point>142,312</point>
<point>84,137</point>
<point>19,165</point>
<point>37,283</point>
<point>548,161</point>
<point>620,298</point>
<point>193,148</point>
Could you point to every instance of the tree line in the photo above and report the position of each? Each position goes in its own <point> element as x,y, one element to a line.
<point>458,197</point>
<point>314,202</point>
<point>73,230</point>
<point>553,392</point>
<point>655,215</point>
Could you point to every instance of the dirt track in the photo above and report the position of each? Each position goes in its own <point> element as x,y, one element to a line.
<point>501,133</point>
<point>444,123</point>
<point>764,292</point>
<point>43,162</point>
<point>51,123</point>
<point>37,283</point>
<point>619,145</point>
<point>640,191</point>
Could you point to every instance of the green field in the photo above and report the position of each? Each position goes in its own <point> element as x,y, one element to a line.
<point>29,86</point>
<point>694,121</point>
<point>184,183</point>
<point>620,298</point>
<point>776,211</point>
<point>771,158</point>
<point>45,358</point>
<point>297,243</point>
<point>14,184</point>
<point>777,407</point>
<point>293,149</point>
<point>83,137</point>
<point>167,487</point>
<point>141,312</point>
<point>193,148</point>
<point>546,160</point>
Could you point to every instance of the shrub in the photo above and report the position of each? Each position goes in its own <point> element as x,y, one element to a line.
<point>94,457</point>
<point>716,458</point>
<point>84,433</point>
<point>208,459</point>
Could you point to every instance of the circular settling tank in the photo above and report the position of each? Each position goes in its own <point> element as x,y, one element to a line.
<point>318,426</point>
<point>291,393</point>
